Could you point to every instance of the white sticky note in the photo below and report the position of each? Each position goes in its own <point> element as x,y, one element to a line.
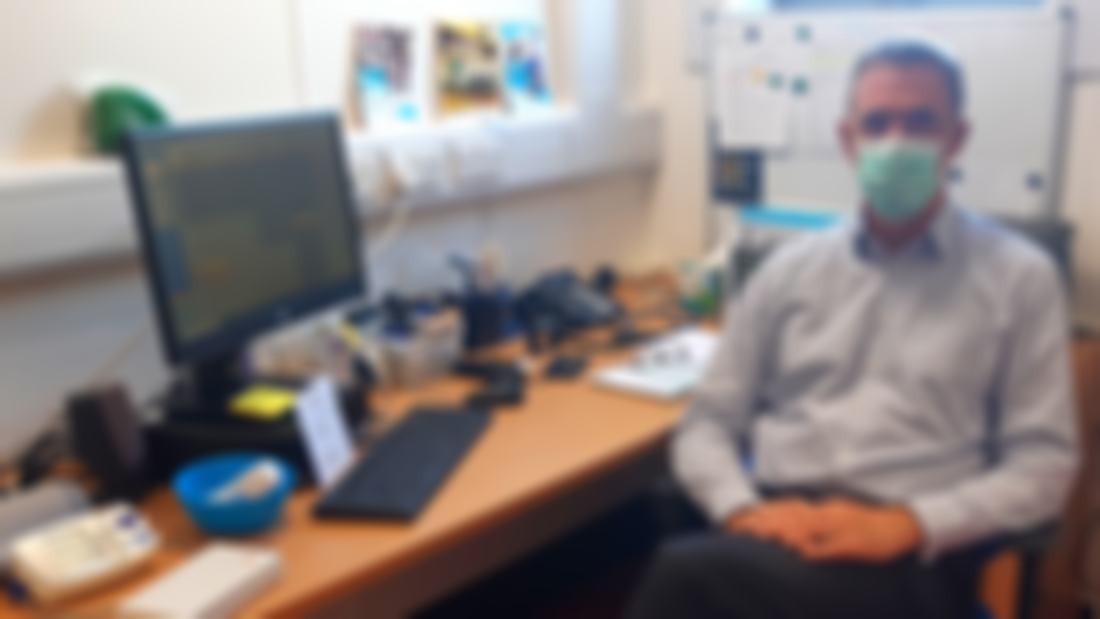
<point>321,423</point>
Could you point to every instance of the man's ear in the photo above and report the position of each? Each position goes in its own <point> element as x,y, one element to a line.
<point>960,139</point>
<point>846,131</point>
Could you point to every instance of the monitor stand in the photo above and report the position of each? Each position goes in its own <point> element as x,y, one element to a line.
<point>196,421</point>
<point>208,388</point>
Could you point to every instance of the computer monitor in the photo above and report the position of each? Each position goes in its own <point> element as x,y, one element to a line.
<point>245,227</point>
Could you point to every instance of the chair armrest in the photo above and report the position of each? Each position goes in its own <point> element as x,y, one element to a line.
<point>1032,546</point>
<point>1032,542</point>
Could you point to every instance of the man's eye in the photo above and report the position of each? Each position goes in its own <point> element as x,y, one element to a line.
<point>921,123</point>
<point>876,124</point>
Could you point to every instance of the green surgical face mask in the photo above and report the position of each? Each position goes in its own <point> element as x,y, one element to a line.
<point>899,177</point>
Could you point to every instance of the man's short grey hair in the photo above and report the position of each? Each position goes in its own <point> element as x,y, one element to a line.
<point>916,53</point>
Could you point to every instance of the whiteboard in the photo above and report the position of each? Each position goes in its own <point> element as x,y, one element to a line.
<point>1015,67</point>
<point>1087,36</point>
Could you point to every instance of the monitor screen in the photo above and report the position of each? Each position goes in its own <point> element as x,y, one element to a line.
<point>245,227</point>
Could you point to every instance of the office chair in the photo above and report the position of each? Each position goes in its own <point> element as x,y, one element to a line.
<point>1031,547</point>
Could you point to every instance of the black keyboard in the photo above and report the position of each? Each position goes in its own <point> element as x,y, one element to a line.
<point>404,469</point>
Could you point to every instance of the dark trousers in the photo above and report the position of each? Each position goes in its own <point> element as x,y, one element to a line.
<point>721,576</point>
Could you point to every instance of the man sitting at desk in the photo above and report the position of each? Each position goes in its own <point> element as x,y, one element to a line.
<point>900,385</point>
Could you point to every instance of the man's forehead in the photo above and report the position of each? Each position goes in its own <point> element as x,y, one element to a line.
<point>901,85</point>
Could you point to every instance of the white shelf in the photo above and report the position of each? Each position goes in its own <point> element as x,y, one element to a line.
<point>55,214</point>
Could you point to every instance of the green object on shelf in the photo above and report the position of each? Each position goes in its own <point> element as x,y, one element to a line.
<point>114,111</point>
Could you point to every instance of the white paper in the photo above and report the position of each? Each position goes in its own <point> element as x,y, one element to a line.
<point>1087,36</point>
<point>687,348</point>
<point>321,423</point>
<point>667,384</point>
<point>667,369</point>
<point>752,99</point>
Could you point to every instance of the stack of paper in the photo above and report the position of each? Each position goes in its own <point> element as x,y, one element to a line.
<point>668,369</point>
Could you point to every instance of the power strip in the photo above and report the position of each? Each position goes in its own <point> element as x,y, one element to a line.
<point>212,585</point>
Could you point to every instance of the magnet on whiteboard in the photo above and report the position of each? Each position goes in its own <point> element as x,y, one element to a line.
<point>1036,182</point>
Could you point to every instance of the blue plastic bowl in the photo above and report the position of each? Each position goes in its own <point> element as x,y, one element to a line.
<point>195,487</point>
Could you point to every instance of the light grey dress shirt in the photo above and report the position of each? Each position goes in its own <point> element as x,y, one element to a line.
<point>937,378</point>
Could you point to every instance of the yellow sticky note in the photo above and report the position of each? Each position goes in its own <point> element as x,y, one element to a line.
<point>264,403</point>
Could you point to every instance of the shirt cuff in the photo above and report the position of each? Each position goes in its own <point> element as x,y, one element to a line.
<point>943,521</point>
<point>723,503</point>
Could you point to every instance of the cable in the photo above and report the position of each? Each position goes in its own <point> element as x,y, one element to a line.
<point>47,446</point>
<point>109,368</point>
<point>402,208</point>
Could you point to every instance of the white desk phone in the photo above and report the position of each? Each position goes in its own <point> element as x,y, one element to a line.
<point>82,552</point>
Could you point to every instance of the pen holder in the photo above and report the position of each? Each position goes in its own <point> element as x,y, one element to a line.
<point>488,315</point>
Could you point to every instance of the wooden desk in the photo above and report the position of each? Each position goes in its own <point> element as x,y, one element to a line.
<point>572,451</point>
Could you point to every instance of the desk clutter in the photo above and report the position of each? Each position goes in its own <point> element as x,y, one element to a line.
<point>213,584</point>
<point>70,558</point>
<point>668,369</point>
<point>231,494</point>
<point>82,552</point>
<point>248,418</point>
<point>404,470</point>
<point>216,583</point>
<point>235,495</point>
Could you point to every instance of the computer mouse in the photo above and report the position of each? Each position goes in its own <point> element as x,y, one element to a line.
<point>566,368</point>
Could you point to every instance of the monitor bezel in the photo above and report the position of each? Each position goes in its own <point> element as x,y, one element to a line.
<point>230,340</point>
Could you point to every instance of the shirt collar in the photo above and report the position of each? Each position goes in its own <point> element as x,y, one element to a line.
<point>935,244</point>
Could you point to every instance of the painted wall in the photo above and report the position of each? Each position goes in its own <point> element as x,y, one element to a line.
<point>223,58</point>
<point>55,336</point>
<point>1082,198</point>
<point>680,216</point>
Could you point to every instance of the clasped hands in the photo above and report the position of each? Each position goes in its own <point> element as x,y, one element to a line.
<point>833,531</point>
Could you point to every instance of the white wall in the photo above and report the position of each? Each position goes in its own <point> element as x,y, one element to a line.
<point>1087,35</point>
<point>680,212</point>
<point>54,336</point>
<point>1082,197</point>
<point>225,57</point>
<point>57,337</point>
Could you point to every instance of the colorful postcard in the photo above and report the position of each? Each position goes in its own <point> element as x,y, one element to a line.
<point>384,75</point>
<point>467,68</point>
<point>526,74</point>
